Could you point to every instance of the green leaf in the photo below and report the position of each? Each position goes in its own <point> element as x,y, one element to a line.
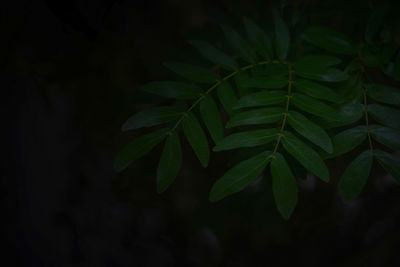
<point>323,75</point>
<point>237,178</point>
<point>314,107</point>
<point>197,139</point>
<point>387,52</point>
<point>347,140</point>
<point>305,155</point>
<point>309,130</point>
<point>247,139</point>
<point>284,186</point>
<point>386,136</point>
<point>347,114</point>
<point>261,99</point>
<point>396,68</point>
<point>241,79</point>
<point>390,163</point>
<point>153,116</point>
<point>330,40</point>
<point>178,90</point>
<point>212,118</point>
<point>239,44</point>
<point>265,82</point>
<point>385,115</point>
<point>138,148</point>
<point>192,72</point>
<point>371,55</point>
<point>282,37</point>
<point>384,93</point>
<point>259,38</point>
<point>355,176</point>
<point>170,162</point>
<point>316,90</point>
<point>316,61</point>
<point>227,97</point>
<point>214,55</point>
<point>256,116</point>
<point>375,21</point>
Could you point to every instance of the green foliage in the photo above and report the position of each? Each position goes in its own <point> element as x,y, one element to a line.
<point>294,96</point>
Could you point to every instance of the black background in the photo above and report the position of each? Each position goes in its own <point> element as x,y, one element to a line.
<point>68,82</point>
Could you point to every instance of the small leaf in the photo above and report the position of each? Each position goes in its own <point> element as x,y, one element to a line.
<point>259,38</point>
<point>256,116</point>
<point>316,61</point>
<point>386,136</point>
<point>214,55</point>
<point>170,162</point>
<point>313,106</point>
<point>385,115</point>
<point>284,186</point>
<point>237,178</point>
<point>212,118</point>
<point>347,114</point>
<point>316,90</point>
<point>196,138</point>
<point>355,176</point>
<point>138,148</point>
<point>390,163</point>
<point>375,21</point>
<point>347,140</point>
<point>282,37</point>
<point>178,90</point>
<point>247,139</point>
<point>323,75</point>
<point>241,79</point>
<point>227,97</point>
<point>384,93</point>
<point>330,40</point>
<point>153,116</point>
<point>239,44</point>
<point>309,130</point>
<point>261,99</point>
<point>265,82</point>
<point>305,155</point>
<point>192,72</point>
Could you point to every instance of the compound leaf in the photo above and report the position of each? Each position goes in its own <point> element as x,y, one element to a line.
<point>256,116</point>
<point>316,90</point>
<point>227,97</point>
<point>390,163</point>
<point>261,99</point>
<point>386,136</point>
<point>347,140</point>
<point>384,93</point>
<point>314,106</point>
<point>385,115</point>
<point>211,117</point>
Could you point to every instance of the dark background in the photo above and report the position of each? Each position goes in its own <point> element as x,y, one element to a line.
<point>69,80</point>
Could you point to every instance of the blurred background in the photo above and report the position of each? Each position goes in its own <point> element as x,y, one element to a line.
<point>70,74</point>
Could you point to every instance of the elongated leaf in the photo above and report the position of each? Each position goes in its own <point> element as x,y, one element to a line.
<point>282,37</point>
<point>355,176</point>
<point>138,148</point>
<point>284,186</point>
<point>259,38</point>
<point>347,140</point>
<point>261,99</point>
<point>239,44</point>
<point>265,82</point>
<point>330,40</point>
<point>317,90</point>
<point>192,72</point>
<point>211,117</point>
<point>384,93</point>
<point>390,163</point>
<point>256,116</point>
<point>371,55</point>
<point>305,155</point>
<point>237,178</point>
<point>316,61</point>
<point>241,80</point>
<point>385,115</point>
<point>313,106</point>
<point>386,136</point>
<point>178,90</point>
<point>170,162</point>
<point>153,116</point>
<point>227,97</point>
<point>375,21</point>
<point>347,114</point>
<point>309,130</point>
<point>214,55</point>
<point>197,139</point>
<point>247,139</point>
<point>323,75</point>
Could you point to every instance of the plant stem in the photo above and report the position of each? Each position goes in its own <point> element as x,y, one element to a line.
<point>209,90</point>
